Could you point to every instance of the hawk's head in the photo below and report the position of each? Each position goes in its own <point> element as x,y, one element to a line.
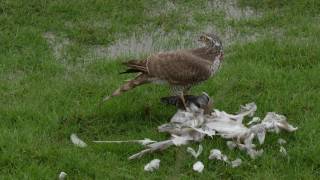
<point>212,41</point>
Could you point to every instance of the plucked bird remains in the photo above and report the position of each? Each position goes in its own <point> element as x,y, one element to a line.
<point>180,69</point>
<point>193,125</point>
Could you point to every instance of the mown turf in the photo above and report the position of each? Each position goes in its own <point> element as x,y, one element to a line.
<point>43,99</point>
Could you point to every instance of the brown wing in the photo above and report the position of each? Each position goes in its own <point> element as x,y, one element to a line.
<point>179,68</point>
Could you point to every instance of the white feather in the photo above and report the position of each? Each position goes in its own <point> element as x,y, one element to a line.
<point>254,120</point>
<point>281,141</point>
<point>231,145</point>
<point>152,165</point>
<point>198,166</point>
<point>143,142</point>
<point>236,163</point>
<point>77,141</point>
<point>194,153</point>
<point>62,175</point>
<point>283,151</point>
<point>180,140</point>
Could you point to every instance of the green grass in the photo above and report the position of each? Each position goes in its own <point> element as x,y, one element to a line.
<point>44,99</point>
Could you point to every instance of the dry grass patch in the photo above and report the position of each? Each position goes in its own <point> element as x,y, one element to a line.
<point>58,46</point>
<point>232,10</point>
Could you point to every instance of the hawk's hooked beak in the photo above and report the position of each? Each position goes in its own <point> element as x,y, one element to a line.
<point>201,40</point>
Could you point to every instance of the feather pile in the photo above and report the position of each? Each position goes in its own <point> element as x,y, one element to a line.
<point>192,125</point>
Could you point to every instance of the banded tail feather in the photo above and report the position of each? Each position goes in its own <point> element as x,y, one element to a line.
<point>137,81</point>
<point>136,66</point>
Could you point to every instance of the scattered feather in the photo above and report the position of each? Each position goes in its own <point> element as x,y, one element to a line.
<point>254,153</point>
<point>231,145</point>
<point>140,154</point>
<point>152,165</point>
<point>194,153</point>
<point>153,147</point>
<point>216,154</point>
<point>77,141</point>
<point>207,131</point>
<point>275,122</point>
<point>198,166</point>
<point>254,120</point>
<point>282,141</point>
<point>283,151</point>
<point>143,142</point>
<point>180,140</point>
<point>248,109</point>
<point>259,130</point>
<point>236,163</point>
<point>62,175</point>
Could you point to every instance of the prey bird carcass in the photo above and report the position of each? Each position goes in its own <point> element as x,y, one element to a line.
<point>199,120</point>
<point>193,125</point>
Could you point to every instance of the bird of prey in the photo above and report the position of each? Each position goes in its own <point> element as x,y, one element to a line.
<point>180,69</point>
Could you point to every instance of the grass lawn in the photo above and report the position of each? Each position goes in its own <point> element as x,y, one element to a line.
<point>59,58</point>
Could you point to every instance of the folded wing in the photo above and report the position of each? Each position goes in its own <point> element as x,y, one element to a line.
<point>179,68</point>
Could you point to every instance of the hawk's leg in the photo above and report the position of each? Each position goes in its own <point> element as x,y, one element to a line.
<point>183,101</point>
<point>179,91</point>
<point>183,94</point>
